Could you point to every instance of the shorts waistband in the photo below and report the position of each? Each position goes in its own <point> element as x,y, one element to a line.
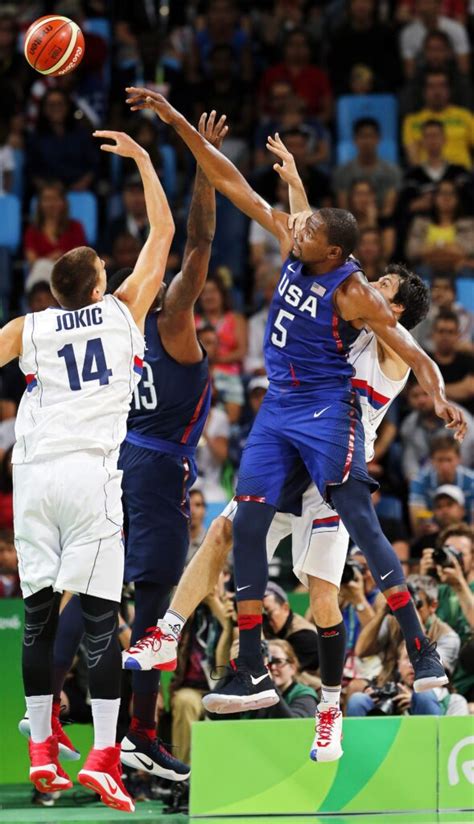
<point>159,445</point>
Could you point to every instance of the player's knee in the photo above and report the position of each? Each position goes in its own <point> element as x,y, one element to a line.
<point>220,531</point>
<point>324,601</point>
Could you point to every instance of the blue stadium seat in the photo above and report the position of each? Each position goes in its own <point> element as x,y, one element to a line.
<point>465,292</point>
<point>99,26</point>
<point>18,173</point>
<point>382,107</point>
<point>169,176</point>
<point>83,207</point>
<point>10,222</point>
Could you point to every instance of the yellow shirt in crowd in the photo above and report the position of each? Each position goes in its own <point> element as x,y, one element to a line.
<point>458,128</point>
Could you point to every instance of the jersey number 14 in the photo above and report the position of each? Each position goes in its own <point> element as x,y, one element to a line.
<point>94,367</point>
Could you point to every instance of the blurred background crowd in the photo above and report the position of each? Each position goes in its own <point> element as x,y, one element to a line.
<point>374,100</point>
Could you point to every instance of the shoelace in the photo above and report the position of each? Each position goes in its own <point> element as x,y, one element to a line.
<point>153,634</point>
<point>326,721</point>
<point>427,649</point>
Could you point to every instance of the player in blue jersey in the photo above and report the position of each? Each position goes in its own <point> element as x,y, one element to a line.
<point>310,411</point>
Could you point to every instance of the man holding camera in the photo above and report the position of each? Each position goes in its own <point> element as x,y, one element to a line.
<point>281,622</point>
<point>452,563</point>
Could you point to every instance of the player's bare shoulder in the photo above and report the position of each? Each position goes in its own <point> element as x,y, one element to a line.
<point>11,340</point>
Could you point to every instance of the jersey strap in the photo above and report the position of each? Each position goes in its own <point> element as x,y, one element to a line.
<point>159,445</point>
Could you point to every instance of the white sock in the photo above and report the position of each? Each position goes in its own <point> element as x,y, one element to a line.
<point>331,695</point>
<point>39,709</point>
<point>175,622</point>
<point>105,715</point>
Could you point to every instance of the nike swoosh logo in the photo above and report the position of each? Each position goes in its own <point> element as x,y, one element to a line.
<point>239,589</point>
<point>256,681</point>
<point>317,414</point>
<point>382,577</point>
<point>113,790</point>
<point>148,766</point>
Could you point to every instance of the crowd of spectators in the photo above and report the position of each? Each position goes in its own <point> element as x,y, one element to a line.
<point>287,67</point>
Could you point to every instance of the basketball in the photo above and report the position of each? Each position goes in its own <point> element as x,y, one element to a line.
<point>54,45</point>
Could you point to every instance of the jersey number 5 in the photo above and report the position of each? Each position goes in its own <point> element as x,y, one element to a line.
<point>279,338</point>
<point>94,367</point>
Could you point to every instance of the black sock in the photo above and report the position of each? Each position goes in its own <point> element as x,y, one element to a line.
<point>332,654</point>
<point>403,608</point>
<point>250,640</point>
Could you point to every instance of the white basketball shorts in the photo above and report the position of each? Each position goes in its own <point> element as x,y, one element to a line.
<point>68,522</point>
<point>319,538</point>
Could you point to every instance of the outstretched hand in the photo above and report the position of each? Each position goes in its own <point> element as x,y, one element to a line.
<point>140,98</point>
<point>453,418</point>
<point>212,131</point>
<point>287,168</point>
<point>124,145</point>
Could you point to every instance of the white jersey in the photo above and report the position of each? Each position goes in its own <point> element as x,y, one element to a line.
<point>376,390</point>
<point>81,367</point>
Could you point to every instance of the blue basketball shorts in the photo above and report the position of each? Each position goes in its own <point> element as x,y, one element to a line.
<point>325,432</point>
<point>156,508</point>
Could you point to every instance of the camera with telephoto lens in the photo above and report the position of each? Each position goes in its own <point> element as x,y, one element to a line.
<point>383,698</point>
<point>348,573</point>
<point>443,557</point>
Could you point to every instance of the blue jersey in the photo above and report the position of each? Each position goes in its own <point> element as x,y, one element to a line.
<point>306,342</point>
<point>171,403</point>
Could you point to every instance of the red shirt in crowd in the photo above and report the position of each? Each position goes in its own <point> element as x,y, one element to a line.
<point>311,84</point>
<point>36,241</point>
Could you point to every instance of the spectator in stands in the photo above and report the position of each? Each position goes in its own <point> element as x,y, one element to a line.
<point>362,39</point>
<point>457,368</point>
<point>298,141</point>
<point>429,19</point>
<point>125,251</point>
<point>362,79</point>
<point>444,468</point>
<point>445,240</point>
<point>405,701</point>
<point>9,578</point>
<point>134,220</point>
<point>384,176</point>
<point>438,54</point>
<point>254,363</point>
<point>197,529</point>
<point>293,117</point>
<point>40,297</point>
<point>356,599</point>
<point>212,453</point>
<point>420,182</point>
<point>382,636</point>
<point>221,27</point>
<point>224,91</point>
<point>370,253</point>
<point>61,148</point>
<point>456,596</point>
<point>51,233</point>
<point>458,123</point>
<point>281,622</point>
<point>449,508</point>
<point>231,329</point>
<point>362,202</point>
<point>308,81</point>
<point>296,700</point>
<point>15,73</point>
<point>7,157</point>
<point>443,298</point>
<point>421,426</point>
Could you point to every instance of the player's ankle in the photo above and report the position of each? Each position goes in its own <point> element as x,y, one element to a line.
<point>142,730</point>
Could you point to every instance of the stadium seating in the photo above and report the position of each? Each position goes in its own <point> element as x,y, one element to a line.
<point>10,223</point>
<point>465,292</point>
<point>383,108</point>
<point>82,207</point>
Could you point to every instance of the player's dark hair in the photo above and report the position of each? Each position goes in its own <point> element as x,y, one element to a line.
<point>341,229</point>
<point>432,122</point>
<point>413,294</point>
<point>74,277</point>
<point>363,123</point>
<point>443,442</point>
<point>446,314</point>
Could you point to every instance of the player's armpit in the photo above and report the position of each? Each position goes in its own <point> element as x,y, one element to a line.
<point>11,340</point>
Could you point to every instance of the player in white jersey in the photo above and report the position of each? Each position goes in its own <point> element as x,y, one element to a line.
<point>319,538</point>
<point>82,362</point>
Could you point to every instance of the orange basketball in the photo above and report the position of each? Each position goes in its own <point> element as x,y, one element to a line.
<point>54,45</point>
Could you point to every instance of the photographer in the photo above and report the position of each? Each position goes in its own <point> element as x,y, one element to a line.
<point>296,700</point>
<point>396,696</point>
<point>455,570</point>
<point>281,622</point>
<point>357,595</point>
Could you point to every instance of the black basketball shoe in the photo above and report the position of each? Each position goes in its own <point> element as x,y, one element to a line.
<point>152,757</point>
<point>242,689</point>
<point>429,671</point>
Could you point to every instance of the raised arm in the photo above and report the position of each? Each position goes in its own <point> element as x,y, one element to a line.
<point>220,172</point>
<point>357,300</point>
<point>176,320</point>
<point>11,340</point>
<point>289,173</point>
<point>139,290</point>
